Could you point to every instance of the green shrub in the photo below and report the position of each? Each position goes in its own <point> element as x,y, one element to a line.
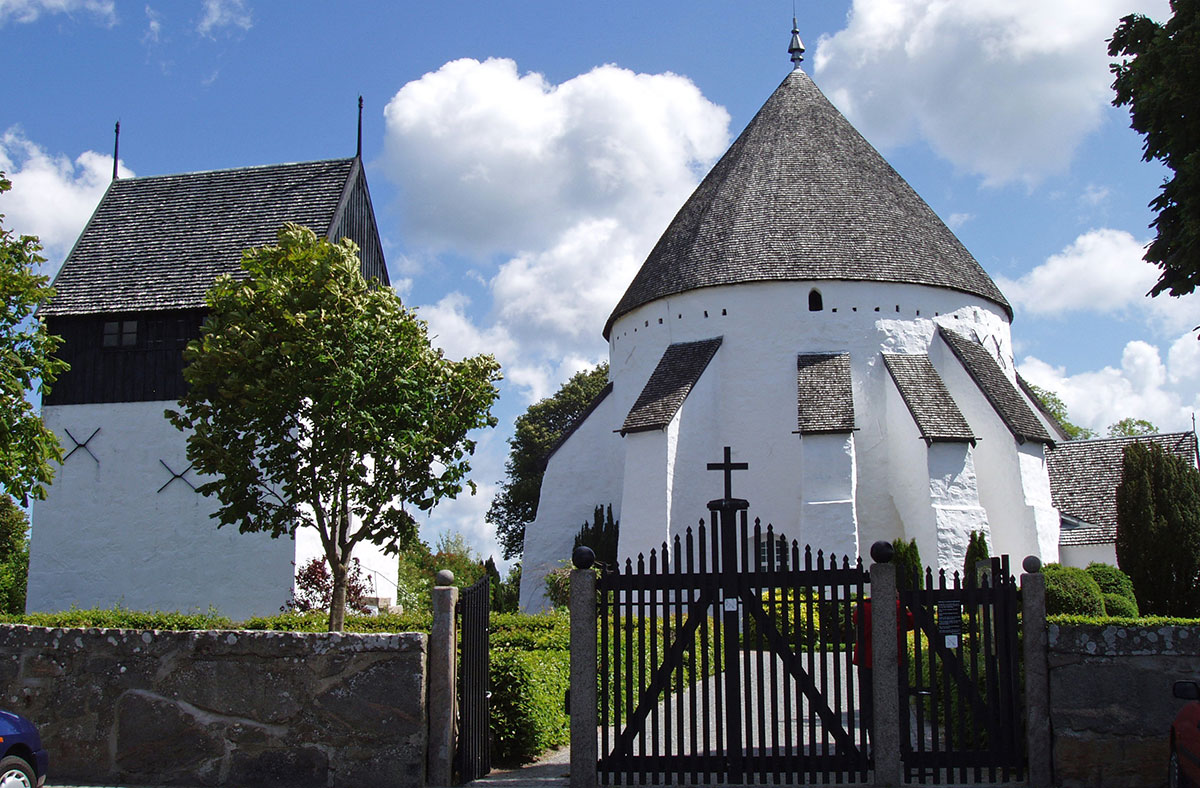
<point>549,631</point>
<point>907,559</point>
<point>1071,590</point>
<point>1112,580</point>
<point>558,586</point>
<point>527,703</point>
<point>977,550</point>
<point>1120,606</point>
<point>120,618</point>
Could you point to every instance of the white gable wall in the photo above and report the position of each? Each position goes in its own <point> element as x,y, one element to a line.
<point>105,536</point>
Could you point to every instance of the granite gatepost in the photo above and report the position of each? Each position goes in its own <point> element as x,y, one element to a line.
<point>443,682</point>
<point>884,658</point>
<point>1037,678</point>
<point>583,678</point>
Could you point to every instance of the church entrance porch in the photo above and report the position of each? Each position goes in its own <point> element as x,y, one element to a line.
<point>728,658</point>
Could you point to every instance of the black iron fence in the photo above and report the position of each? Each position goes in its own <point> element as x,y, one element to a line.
<point>472,757</point>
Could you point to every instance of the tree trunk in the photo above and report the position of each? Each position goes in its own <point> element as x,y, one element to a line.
<point>337,601</point>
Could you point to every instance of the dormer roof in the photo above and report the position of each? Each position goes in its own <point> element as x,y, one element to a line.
<point>800,195</point>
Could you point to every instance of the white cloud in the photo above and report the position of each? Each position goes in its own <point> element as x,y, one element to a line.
<point>218,14</point>
<point>495,161</point>
<point>153,26</point>
<point>1003,90</point>
<point>1102,272</point>
<point>52,196</point>
<point>1143,387</point>
<point>25,11</point>
<point>568,186</point>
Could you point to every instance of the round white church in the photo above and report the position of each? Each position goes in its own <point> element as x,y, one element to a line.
<point>808,309</point>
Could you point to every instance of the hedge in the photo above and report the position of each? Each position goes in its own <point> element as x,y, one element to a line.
<point>528,703</point>
<point>1072,590</point>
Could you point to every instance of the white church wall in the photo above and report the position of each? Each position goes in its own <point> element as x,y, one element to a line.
<point>1081,555</point>
<point>106,535</point>
<point>646,493</point>
<point>954,492</point>
<point>379,568</point>
<point>827,481</point>
<point>764,326</point>
<point>908,482</point>
<point>997,465</point>
<point>695,435</point>
<point>1043,520</point>
<point>584,473</point>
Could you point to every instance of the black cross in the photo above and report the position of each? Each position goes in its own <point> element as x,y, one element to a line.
<point>83,445</point>
<point>175,476</point>
<point>728,466</point>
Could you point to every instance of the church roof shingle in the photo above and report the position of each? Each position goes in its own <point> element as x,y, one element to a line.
<point>680,367</point>
<point>997,388</point>
<point>800,195</point>
<point>928,400</point>
<point>159,242</point>
<point>1084,476</point>
<point>824,398</point>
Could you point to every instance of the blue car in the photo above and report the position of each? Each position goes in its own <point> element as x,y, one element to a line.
<point>24,760</point>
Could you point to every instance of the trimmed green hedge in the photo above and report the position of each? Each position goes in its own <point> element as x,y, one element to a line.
<point>1118,605</point>
<point>1148,622</point>
<point>120,618</point>
<point>1072,590</point>
<point>528,703</point>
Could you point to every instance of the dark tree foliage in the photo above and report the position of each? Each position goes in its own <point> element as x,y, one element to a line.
<point>314,588</point>
<point>535,433</point>
<point>601,535</point>
<point>907,558</point>
<point>977,550</point>
<point>1130,428</point>
<point>1158,530</point>
<point>14,556</point>
<point>1157,78</point>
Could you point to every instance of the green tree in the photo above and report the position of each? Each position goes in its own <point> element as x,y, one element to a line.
<point>1158,530</point>
<point>602,535</point>
<point>907,558</point>
<point>977,550</point>
<point>315,399</point>
<point>1156,78</point>
<point>1131,427</point>
<point>14,556</point>
<point>535,433</point>
<point>27,448</point>
<point>1053,404</point>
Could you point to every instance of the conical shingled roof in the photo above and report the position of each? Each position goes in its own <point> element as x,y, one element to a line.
<point>800,195</point>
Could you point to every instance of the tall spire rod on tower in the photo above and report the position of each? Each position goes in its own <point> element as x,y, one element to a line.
<point>796,48</point>
<point>116,147</point>
<point>358,154</point>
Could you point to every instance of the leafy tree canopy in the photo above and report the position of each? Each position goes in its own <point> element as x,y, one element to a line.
<point>27,363</point>
<point>1131,427</point>
<point>1157,78</point>
<point>535,433</point>
<point>315,399</point>
<point>14,556</point>
<point>1054,405</point>
<point>1158,530</point>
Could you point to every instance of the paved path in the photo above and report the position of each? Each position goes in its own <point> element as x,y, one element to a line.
<point>552,770</point>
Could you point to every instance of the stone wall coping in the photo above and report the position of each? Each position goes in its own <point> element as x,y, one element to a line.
<point>224,640</point>
<point>1112,640</point>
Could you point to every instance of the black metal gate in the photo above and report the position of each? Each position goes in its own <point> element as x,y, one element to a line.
<point>961,710</point>
<point>472,756</point>
<point>728,657</point>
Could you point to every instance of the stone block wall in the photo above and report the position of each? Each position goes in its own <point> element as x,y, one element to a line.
<point>221,708</point>
<point>1111,704</point>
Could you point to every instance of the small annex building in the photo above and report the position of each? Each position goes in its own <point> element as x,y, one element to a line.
<point>122,523</point>
<point>1083,482</point>
<point>808,309</point>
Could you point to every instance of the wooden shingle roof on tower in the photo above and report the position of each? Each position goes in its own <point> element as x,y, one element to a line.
<point>158,243</point>
<point>800,195</point>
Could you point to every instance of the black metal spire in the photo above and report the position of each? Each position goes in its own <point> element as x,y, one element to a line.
<point>116,147</point>
<point>796,47</point>
<point>358,154</point>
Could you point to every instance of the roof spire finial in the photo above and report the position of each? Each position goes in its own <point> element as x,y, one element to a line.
<point>358,154</point>
<point>796,48</point>
<point>116,147</point>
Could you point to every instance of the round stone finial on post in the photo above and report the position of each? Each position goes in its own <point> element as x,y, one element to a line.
<point>1032,564</point>
<point>444,578</point>
<point>583,557</point>
<point>882,552</point>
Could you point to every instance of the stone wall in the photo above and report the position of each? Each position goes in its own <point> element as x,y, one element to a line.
<point>1111,704</point>
<point>221,708</point>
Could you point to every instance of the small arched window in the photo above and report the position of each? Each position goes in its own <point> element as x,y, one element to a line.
<point>815,303</point>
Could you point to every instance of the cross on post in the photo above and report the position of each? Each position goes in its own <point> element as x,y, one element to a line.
<point>728,466</point>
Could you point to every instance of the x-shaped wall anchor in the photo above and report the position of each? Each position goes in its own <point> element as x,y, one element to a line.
<point>81,445</point>
<point>174,476</point>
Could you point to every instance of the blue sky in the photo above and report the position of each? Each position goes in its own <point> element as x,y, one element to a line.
<point>524,157</point>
